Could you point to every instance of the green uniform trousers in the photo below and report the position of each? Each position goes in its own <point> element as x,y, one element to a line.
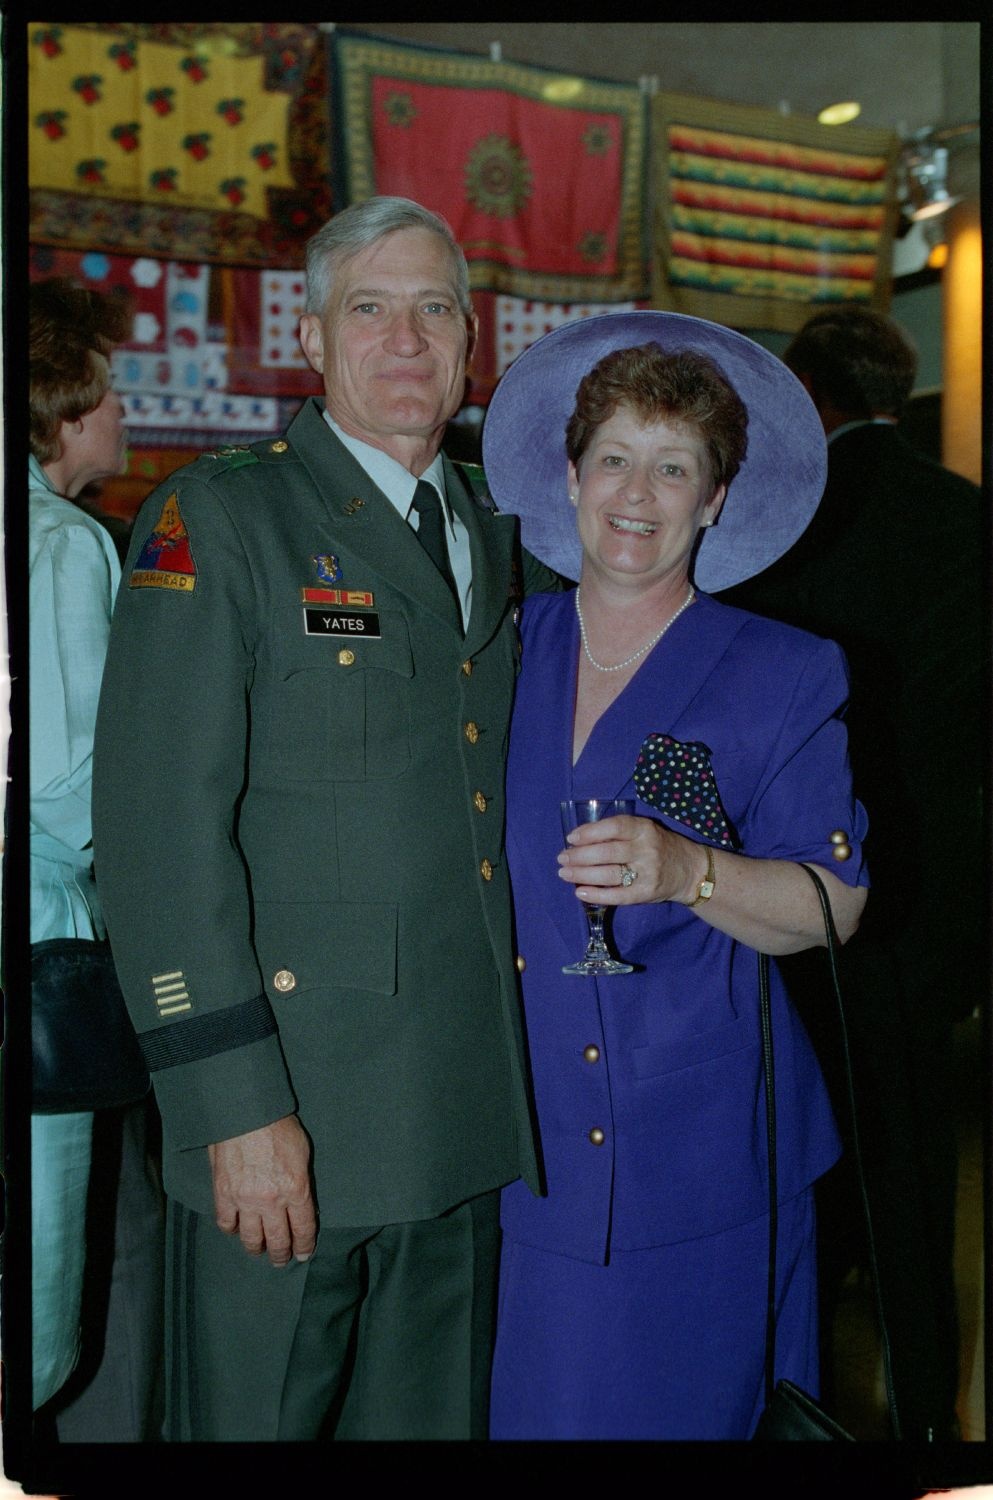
<point>386,1333</point>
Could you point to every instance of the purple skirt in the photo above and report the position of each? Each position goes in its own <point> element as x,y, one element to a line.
<point>664,1343</point>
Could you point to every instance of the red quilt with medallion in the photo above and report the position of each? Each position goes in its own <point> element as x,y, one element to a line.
<point>541,175</point>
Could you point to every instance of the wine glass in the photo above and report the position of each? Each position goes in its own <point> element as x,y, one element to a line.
<point>597,959</point>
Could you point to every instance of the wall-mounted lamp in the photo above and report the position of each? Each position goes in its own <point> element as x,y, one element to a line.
<point>927,181</point>
<point>923,195</point>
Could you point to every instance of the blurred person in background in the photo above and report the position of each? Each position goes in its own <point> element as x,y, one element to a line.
<point>97,1212</point>
<point>893,567</point>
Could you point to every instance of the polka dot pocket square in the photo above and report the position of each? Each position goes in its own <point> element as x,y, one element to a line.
<point>678,779</point>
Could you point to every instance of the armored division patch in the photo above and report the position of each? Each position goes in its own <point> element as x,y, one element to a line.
<point>165,561</point>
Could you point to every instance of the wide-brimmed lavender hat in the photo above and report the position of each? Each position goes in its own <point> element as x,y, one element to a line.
<point>769,502</point>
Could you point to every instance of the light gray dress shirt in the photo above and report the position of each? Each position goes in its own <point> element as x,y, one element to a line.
<point>398,485</point>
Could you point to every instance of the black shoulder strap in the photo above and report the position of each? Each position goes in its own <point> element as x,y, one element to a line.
<point>765,1012</point>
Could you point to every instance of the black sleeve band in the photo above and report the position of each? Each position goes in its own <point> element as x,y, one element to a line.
<point>205,1036</point>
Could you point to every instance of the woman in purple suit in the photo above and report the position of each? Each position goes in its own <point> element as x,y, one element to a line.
<point>633,1294</point>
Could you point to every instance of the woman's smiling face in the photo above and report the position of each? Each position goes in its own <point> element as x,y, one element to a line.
<point>642,492</point>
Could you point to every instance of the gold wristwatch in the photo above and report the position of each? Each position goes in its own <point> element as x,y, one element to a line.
<point>705,889</point>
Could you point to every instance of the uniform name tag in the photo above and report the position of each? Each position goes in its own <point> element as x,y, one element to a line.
<point>339,622</point>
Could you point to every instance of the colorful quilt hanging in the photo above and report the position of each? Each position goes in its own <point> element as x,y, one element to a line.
<point>509,325</point>
<point>181,140</point>
<point>763,218</point>
<point>262,315</point>
<point>174,372</point>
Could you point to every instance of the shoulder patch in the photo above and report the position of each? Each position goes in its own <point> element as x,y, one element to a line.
<point>165,561</point>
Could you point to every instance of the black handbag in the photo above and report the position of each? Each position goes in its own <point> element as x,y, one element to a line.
<point>84,1051</point>
<point>790,1415</point>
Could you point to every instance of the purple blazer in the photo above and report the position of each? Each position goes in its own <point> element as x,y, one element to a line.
<point>677,1085</point>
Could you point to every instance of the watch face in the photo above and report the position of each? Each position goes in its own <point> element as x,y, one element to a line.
<point>706,890</point>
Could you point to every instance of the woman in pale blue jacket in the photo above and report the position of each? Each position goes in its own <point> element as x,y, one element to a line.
<point>77,436</point>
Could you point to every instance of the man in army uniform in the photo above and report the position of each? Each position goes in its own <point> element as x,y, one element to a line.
<point>298,814</point>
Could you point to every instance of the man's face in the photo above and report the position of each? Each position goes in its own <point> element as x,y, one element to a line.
<point>392,343</point>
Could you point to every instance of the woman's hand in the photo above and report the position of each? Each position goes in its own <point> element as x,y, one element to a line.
<point>770,904</point>
<point>665,866</point>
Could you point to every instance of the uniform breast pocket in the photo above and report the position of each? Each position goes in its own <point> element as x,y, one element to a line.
<point>341,703</point>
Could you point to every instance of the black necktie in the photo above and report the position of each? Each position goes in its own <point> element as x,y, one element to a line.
<point>431,532</point>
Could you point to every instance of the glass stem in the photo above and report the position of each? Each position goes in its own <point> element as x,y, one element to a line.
<point>597,947</point>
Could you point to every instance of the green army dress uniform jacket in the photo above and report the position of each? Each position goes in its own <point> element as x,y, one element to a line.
<point>298,829</point>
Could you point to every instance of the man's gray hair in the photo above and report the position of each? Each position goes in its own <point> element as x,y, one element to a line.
<point>362,224</point>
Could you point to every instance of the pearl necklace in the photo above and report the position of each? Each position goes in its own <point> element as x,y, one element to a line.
<point>641,651</point>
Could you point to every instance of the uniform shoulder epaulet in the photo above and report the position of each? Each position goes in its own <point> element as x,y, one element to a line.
<point>222,459</point>
<point>275,448</point>
<point>474,479</point>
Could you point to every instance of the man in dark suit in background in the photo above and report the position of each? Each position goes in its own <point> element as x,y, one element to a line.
<point>298,815</point>
<point>893,567</point>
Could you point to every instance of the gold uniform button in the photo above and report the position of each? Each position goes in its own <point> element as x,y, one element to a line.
<point>486,869</point>
<point>279,447</point>
<point>285,981</point>
<point>467,668</point>
<point>521,965</point>
<point>591,1053</point>
<point>842,848</point>
<point>472,731</point>
<point>346,658</point>
<point>479,802</point>
<point>597,1136</point>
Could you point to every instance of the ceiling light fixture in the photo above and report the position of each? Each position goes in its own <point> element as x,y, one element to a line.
<point>840,114</point>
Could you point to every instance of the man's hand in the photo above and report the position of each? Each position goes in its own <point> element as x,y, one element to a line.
<point>262,1190</point>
